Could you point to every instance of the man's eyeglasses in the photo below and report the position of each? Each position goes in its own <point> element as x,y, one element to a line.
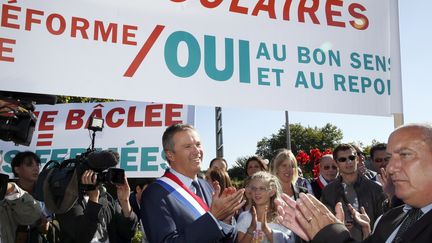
<point>327,167</point>
<point>344,159</point>
<point>259,189</point>
<point>379,160</point>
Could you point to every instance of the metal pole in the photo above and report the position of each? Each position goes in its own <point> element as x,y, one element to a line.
<point>288,133</point>
<point>398,119</point>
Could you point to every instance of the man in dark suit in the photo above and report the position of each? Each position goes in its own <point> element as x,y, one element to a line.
<point>179,206</point>
<point>409,151</point>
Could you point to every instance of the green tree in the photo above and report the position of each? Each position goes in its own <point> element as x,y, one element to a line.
<point>237,172</point>
<point>302,138</point>
<point>75,99</point>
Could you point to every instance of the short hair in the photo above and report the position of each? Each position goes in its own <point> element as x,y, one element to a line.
<point>281,156</point>
<point>167,137</point>
<point>377,147</point>
<point>221,176</point>
<point>325,156</point>
<point>343,147</point>
<point>260,161</point>
<point>218,158</point>
<point>22,157</point>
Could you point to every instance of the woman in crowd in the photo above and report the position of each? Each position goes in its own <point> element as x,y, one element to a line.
<point>259,223</point>
<point>284,166</point>
<point>218,175</point>
<point>255,164</point>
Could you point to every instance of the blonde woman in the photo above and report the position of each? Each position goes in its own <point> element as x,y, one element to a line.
<point>259,223</point>
<point>285,167</point>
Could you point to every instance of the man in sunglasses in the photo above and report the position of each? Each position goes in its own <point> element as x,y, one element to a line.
<point>328,172</point>
<point>378,157</point>
<point>350,188</point>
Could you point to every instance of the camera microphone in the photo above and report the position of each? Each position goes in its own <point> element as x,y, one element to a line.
<point>101,160</point>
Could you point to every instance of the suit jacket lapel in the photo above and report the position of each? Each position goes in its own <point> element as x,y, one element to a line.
<point>417,227</point>
<point>206,192</point>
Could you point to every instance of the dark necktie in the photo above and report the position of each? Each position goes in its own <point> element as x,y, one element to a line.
<point>413,215</point>
<point>197,190</point>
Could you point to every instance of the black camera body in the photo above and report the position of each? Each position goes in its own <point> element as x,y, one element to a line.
<point>4,179</point>
<point>17,120</point>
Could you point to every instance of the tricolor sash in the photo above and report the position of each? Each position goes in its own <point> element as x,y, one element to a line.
<point>179,191</point>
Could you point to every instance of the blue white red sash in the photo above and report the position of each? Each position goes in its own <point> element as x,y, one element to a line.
<point>182,193</point>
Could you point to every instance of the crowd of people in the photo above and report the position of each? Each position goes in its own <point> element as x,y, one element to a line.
<point>347,202</point>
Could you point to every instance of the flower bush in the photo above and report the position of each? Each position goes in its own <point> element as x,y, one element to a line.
<point>309,163</point>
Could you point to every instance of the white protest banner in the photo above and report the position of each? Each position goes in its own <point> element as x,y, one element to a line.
<point>320,56</point>
<point>133,129</point>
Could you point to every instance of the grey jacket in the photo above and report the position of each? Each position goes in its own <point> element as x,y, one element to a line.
<point>22,210</point>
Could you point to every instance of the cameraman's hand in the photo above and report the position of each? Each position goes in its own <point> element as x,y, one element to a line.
<point>89,178</point>
<point>123,193</point>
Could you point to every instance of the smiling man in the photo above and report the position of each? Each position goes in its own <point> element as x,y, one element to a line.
<point>179,206</point>
<point>350,188</point>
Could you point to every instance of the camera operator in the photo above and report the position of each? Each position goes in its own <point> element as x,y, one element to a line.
<point>97,217</point>
<point>17,207</point>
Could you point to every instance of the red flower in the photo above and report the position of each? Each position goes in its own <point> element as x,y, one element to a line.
<point>315,155</point>
<point>302,157</point>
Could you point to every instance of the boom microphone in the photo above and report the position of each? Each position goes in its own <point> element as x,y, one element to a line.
<point>101,160</point>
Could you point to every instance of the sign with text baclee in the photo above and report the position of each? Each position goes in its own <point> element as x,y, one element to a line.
<point>133,129</point>
<point>322,56</point>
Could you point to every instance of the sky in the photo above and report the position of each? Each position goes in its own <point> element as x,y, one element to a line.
<point>243,128</point>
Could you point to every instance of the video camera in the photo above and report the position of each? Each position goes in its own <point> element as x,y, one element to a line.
<point>17,121</point>
<point>59,184</point>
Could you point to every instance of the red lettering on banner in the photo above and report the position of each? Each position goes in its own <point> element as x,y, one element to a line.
<point>286,10</point>
<point>43,143</point>
<point>211,4</point>
<point>82,27</point>
<point>131,118</point>
<point>310,10</point>
<point>330,13</point>
<point>150,114</point>
<point>4,49</point>
<point>61,24</point>
<point>139,58</point>
<point>45,119</point>
<point>6,16</point>
<point>29,18</point>
<point>127,34</point>
<point>364,20</point>
<point>235,8</point>
<point>170,114</point>
<point>269,8</point>
<point>109,117</point>
<point>105,33</point>
<point>74,119</point>
<point>45,135</point>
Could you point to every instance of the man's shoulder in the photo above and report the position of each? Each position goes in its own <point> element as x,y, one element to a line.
<point>154,190</point>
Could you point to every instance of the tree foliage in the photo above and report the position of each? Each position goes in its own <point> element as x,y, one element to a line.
<point>302,138</point>
<point>75,99</point>
<point>237,172</point>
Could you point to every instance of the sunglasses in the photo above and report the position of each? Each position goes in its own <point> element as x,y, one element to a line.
<point>327,167</point>
<point>344,159</point>
<point>379,160</point>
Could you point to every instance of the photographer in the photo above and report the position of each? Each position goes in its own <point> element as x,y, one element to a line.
<point>97,217</point>
<point>17,207</point>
